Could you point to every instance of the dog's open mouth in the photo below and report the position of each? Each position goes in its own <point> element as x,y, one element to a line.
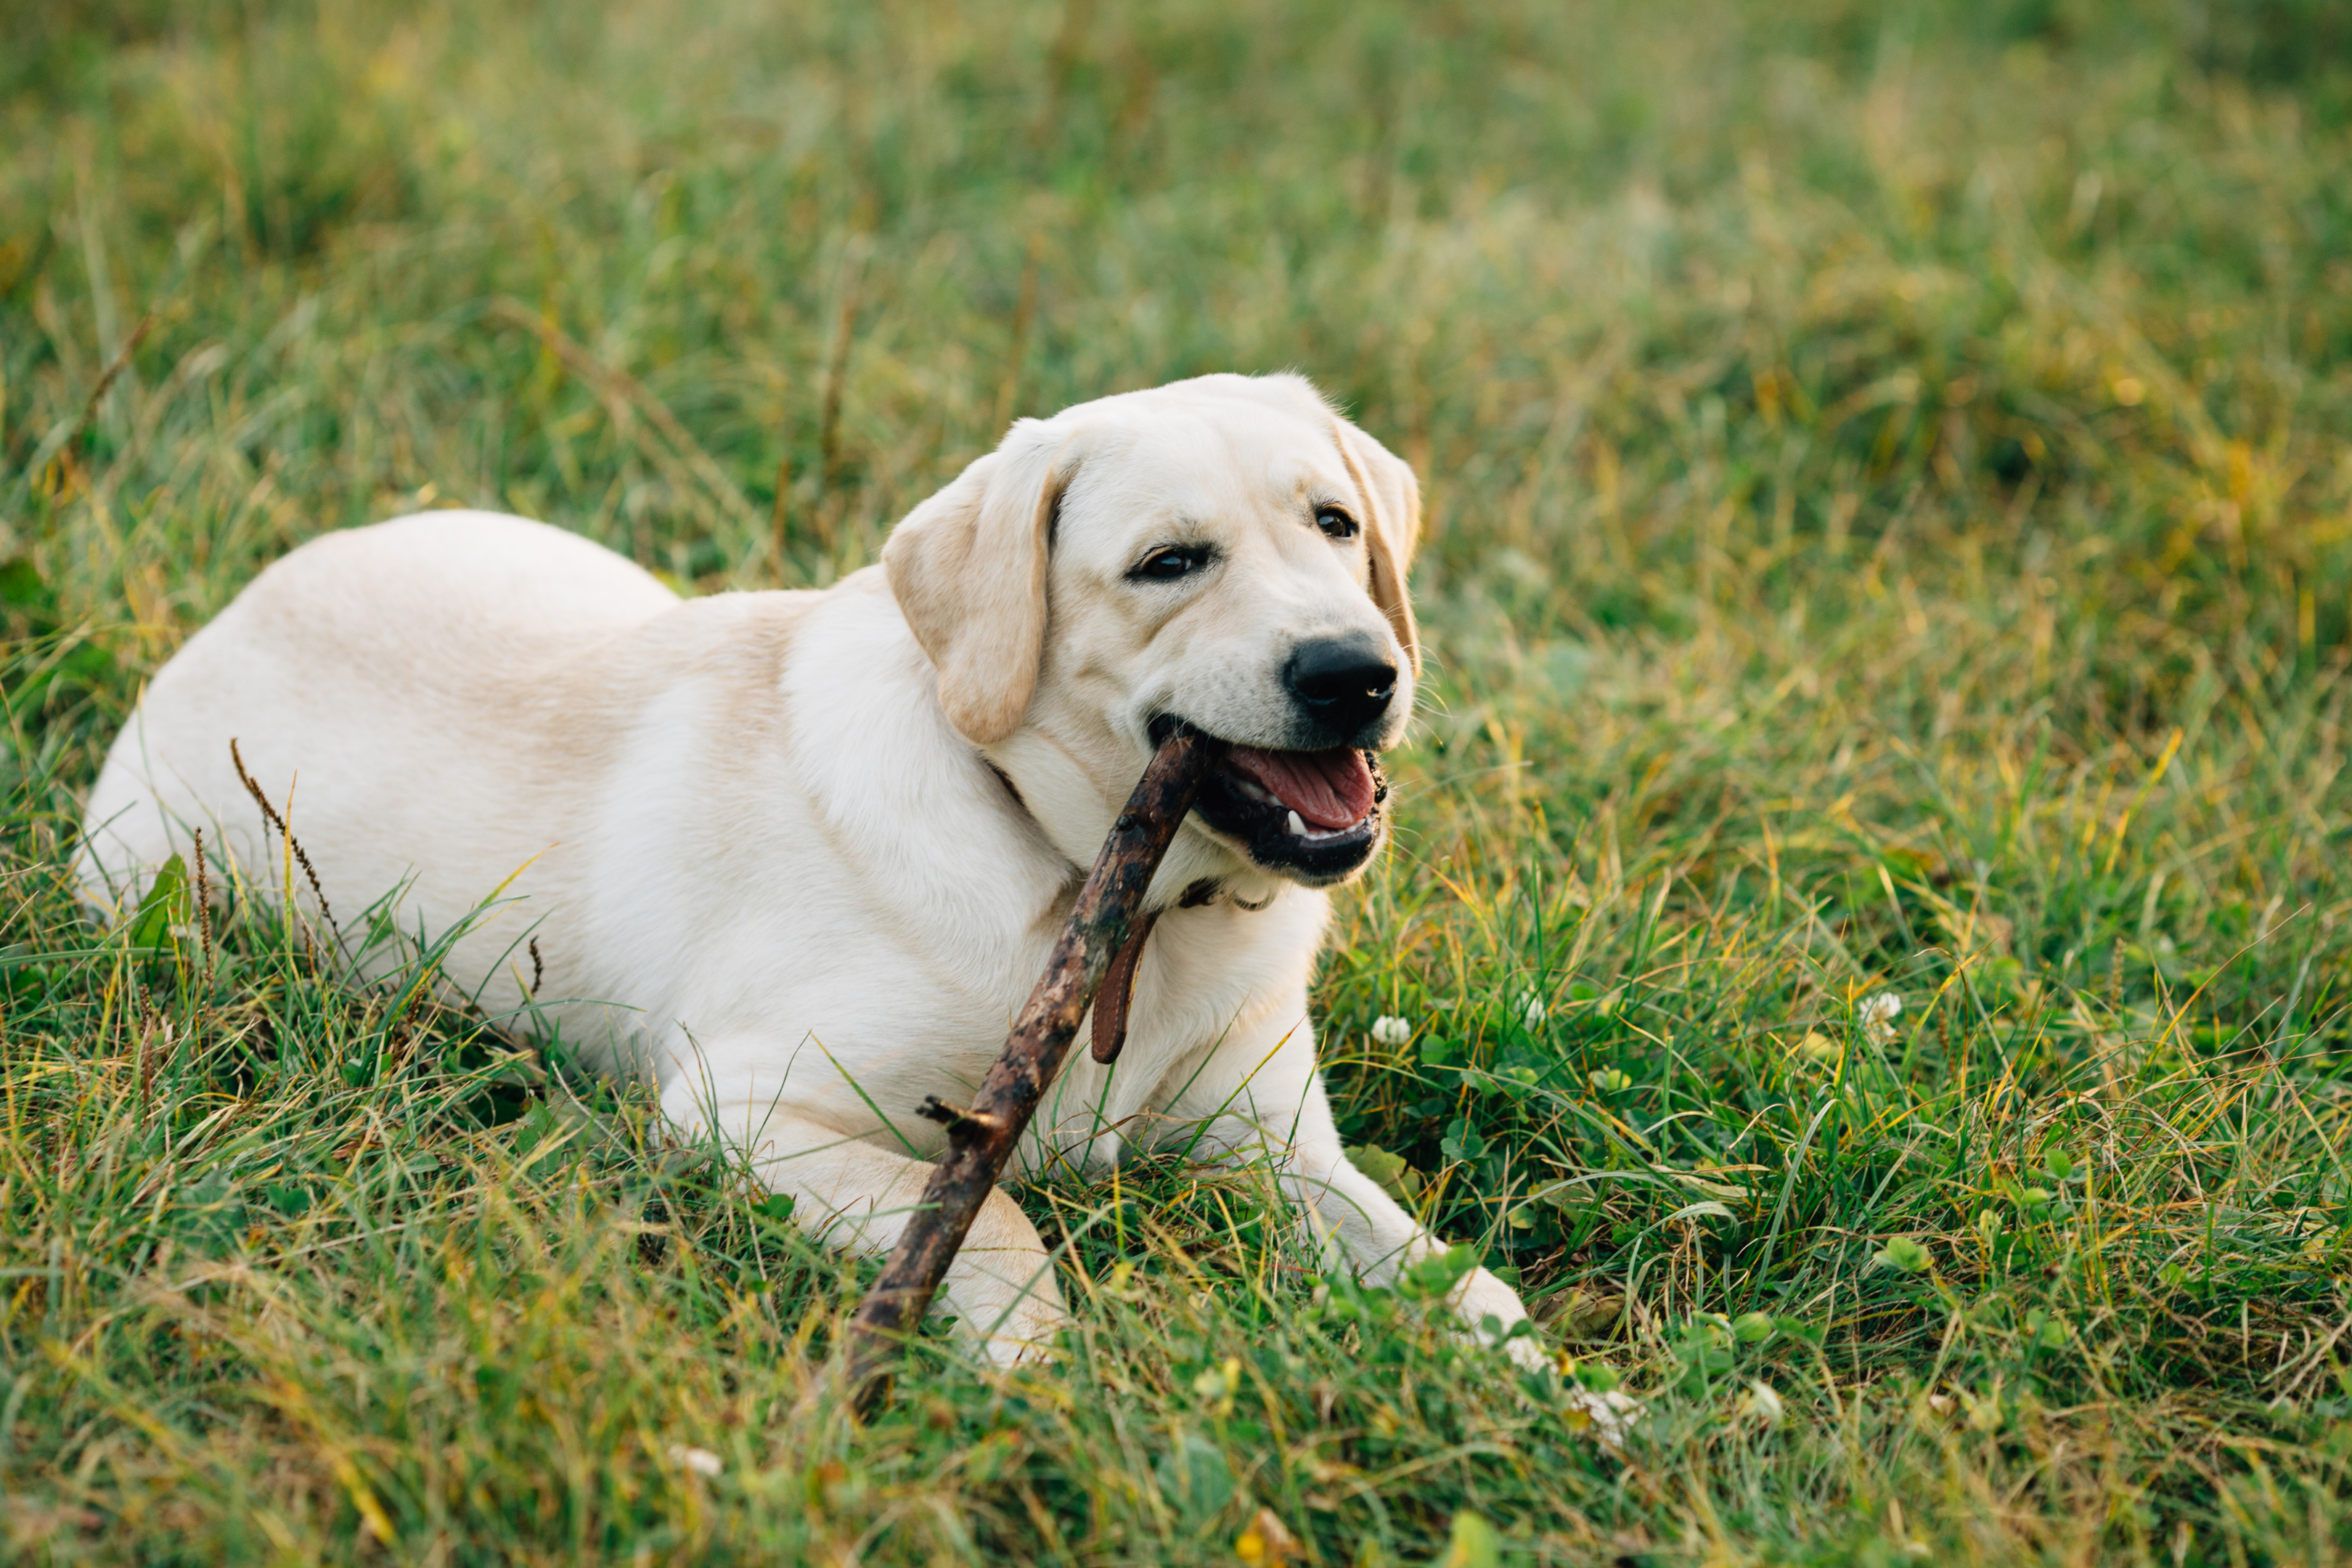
<point>1321,796</point>
<point>1313,815</point>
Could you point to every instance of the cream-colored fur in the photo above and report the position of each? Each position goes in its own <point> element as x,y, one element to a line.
<point>796,855</point>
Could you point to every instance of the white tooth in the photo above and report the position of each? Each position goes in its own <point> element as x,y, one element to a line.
<point>1297,827</point>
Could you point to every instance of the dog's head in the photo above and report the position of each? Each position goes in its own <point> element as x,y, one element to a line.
<point>1226,553</point>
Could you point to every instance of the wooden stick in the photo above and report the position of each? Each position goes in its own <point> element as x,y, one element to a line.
<point>982,1138</point>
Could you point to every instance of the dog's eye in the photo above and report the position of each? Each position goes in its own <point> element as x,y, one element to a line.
<point>1167,566</point>
<point>1337,524</point>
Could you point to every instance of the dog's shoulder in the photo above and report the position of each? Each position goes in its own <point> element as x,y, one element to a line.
<point>747,635</point>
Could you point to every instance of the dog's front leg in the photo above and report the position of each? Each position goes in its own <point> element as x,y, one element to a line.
<point>1268,1109</point>
<point>854,1195</point>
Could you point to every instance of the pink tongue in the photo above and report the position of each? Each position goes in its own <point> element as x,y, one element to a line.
<point>1329,789</point>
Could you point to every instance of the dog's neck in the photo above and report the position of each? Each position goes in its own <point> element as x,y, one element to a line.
<point>1055,792</point>
<point>1198,893</point>
<point>1013,790</point>
<point>1209,890</point>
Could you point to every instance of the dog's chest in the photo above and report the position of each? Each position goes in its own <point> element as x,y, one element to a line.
<point>860,1023</point>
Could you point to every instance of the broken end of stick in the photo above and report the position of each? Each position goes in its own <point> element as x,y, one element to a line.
<point>870,1390</point>
<point>875,1335</point>
<point>954,1118</point>
<point>863,1372</point>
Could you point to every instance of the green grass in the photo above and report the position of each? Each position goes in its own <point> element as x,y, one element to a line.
<point>1890,473</point>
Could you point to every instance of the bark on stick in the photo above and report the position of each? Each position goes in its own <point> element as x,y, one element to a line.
<point>980,1138</point>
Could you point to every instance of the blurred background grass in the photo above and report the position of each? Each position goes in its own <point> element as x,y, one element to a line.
<point>1891,530</point>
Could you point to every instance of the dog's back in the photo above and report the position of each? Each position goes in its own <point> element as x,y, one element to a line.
<point>379,661</point>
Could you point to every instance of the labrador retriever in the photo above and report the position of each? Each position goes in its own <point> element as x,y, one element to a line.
<point>799,856</point>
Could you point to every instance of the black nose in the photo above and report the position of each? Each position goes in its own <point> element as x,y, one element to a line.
<point>1342,683</point>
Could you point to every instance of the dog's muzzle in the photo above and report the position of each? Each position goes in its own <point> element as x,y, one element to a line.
<point>1315,817</point>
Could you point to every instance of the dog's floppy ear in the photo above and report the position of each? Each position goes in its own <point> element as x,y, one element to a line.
<point>1392,530</point>
<point>967,568</point>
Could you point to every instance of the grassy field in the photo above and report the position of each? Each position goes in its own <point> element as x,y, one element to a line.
<point>1890,472</point>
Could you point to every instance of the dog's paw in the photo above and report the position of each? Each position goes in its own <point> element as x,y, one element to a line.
<point>1608,1416</point>
<point>1023,1336</point>
<point>1005,1353</point>
<point>1528,1354</point>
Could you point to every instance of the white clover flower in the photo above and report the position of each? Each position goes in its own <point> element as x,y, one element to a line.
<point>1388,1029</point>
<point>1762,1404</point>
<point>701,1461</point>
<point>1532,1010</point>
<point>1877,1012</point>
